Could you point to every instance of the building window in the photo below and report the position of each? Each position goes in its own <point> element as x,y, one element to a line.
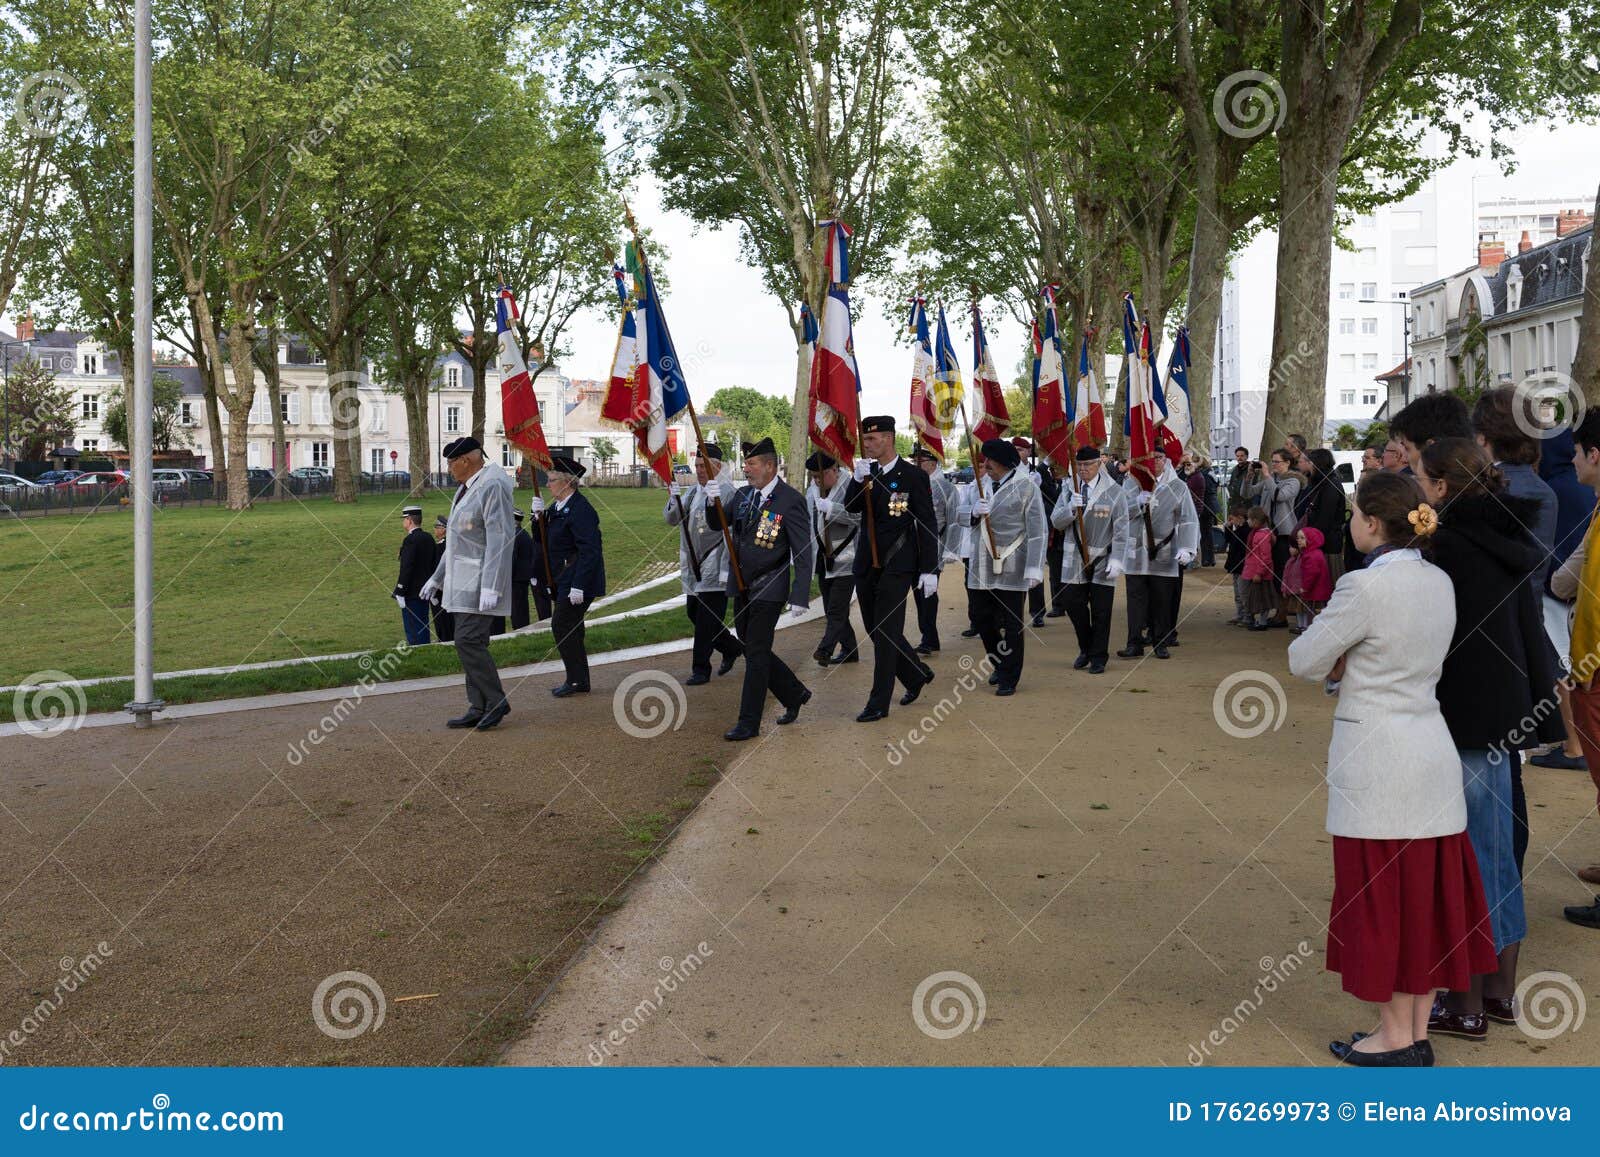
<point>1347,290</point>
<point>185,413</point>
<point>1369,397</point>
<point>380,417</point>
<point>452,377</point>
<point>283,408</point>
<point>1369,289</point>
<point>1347,397</point>
<point>377,459</point>
<point>1347,363</point>
<point>1369,326</point>
<point>90,446</point>
<point>1369,361</point>
<point>91,363</point>
<point>508,456</point>
<point>452,419</point>
<point>89,407</point>
<point>319,454</point>
<point>1347,326</point>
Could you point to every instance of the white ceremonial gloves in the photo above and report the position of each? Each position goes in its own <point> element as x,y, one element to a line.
<point>429,589</point>
<point>980,508</point>
<point>535,507</point>
<point>825,507</point>
<point>1144,498</point>
<point>1075,502</point>
<point>575,597</point>
<point>795,610</point>
<point>928,584</point>
<point>1113,569</point>
<point>487,600</point>
<point>862,469</point>
<point>400,601</point>
<point>675,490</point>
<point>1185,557</point>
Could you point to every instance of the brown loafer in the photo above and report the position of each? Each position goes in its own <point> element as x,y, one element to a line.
<point>1590,875</point>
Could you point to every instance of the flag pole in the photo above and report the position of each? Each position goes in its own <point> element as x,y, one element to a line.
<point>544,538</point>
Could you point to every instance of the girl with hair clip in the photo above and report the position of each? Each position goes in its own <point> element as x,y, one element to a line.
<point>1408,914</point>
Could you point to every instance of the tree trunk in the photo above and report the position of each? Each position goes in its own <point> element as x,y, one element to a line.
<point>480,393</point>
<point>415,391</point>
<point>800,423</point>
<point>240,398</point>
<point>345,403</point>
<point>1586,358</point>
<point>280,445</point>
<point>202,361</point>
<point>1308,162</point>
<point>1208,269</point>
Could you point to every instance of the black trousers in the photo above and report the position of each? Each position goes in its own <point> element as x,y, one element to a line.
<point>1152,605</point>
<point>927,619</point>
<point>1089,607</point>
<point>541,603</point>
<point>566,623</point>
<point>1052,570</point>
<point>484,692</point>
<point>707,612</point>
<point>756,620</point>
<point>1001,629</point>
<point>1519,812</point>
<point>1036,600</point>
<point>444,626</point>
<point>883,595</point>
<point>1208,550</point>
<point>519,605</point>
<point>838,632</point>
<point>972,595</point>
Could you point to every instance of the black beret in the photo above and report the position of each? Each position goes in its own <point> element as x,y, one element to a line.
<point>462,446</point>
<point>763,447</point>
<point>1002,452</point>
<point>711,450</point>
<point>877,424</point>
<point>442,520</point>
<point>561,464</point>
<point>1088,454</point>
<point>923,454</point>
<point>818,462</point>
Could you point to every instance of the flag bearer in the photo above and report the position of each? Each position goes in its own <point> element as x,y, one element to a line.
<point>1163,535</point>
<point>703,565</point>
<point>1007,559</point>
<point>834,531</point>
<point>1093,520</point>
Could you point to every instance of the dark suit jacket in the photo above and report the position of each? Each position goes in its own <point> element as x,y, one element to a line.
<point>523,550</point>
<point>418,558</point>
<point>908,541</point>
<point>778,567</point>
<point>574,538</point>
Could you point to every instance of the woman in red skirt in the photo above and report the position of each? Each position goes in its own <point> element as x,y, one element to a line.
<point>1408,912</point>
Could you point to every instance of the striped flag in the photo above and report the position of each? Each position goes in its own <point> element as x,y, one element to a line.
<point>519,406</point>
<point>835,394</point>
<point>1089,428</point>
<point>991,418</point>
<point>1139,420</point>
<point>1052,418</point>
<point>924,414</point>
<point>949,394</point>
<point>1180,416</point>
<point>647,388</point>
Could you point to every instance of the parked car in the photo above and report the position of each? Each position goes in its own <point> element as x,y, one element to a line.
<point>199,475</point>
<point>98,480</point>
<point>311,473</point>
<point>55,477</point>
<point>396,478</point>
<point>169,481</point>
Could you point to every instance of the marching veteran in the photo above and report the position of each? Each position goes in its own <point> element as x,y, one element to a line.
<point>1009,539</point>
<point>474,575</point>
<point>1093,519</point>
<point>577,567</point>
<point>835,530</point>
<point>703,565</point>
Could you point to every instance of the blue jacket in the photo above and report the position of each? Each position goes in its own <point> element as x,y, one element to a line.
<point>575,559</point>
<point>1574,501</point>
<point>1523,481</point>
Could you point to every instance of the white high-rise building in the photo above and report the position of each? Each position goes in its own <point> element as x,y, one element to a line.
<point>1238,408</point>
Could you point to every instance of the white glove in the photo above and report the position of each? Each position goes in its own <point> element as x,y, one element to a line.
<point>486,600</point>
<point>575,596</point>
<point>928,584</point>
<point>429,589</point>
<point>863,467</point>
<point>1113,569</point>
<point>535,507</point>
<point>795,610</point>
<point>951,556</point>
<point>825,507</point>
<point>980,508</point>
<point>1075,502</point>
<point>1144,498</point>
<point>674,489</point>
<point>400,601</point>
<point>1185,557</point>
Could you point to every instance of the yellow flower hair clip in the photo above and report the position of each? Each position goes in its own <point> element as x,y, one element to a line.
<point>1424,520</point>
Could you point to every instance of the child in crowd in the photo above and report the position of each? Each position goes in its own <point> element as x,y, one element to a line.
<point>1307,581</point>
<point>1261,600</point>
<point>1236,533</point>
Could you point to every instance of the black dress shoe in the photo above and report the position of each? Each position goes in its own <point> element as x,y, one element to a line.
<point>1054,614</point>
<point>739,732</point>
<point>1038,620</point>
<point>1424,1048</point>
<point>492,717</point>
<point>911,694</point>
<point>924,649</point>
<point>470,719</point>
<point>994,680</point>
<point>793,713</point>
<point>1003,689</point>
<point>1407,1057</point>
<point>1080,662</point>
<point>1161,652</point>
<point>1097,667</point>
<point>727,664</point>
<point>566,689</point>
<point>1131,653</point>
<point>871,715</point>
<point>1587,915</point>
<point>852,657</point>
<point>697,680</point>
<point>821,658</point>
<point>970,633</point>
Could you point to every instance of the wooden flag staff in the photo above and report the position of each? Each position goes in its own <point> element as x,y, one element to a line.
<point>544,538</point>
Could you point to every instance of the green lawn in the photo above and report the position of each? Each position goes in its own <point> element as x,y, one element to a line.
<point>282,580</point>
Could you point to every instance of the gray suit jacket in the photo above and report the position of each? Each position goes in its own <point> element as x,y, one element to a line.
<point>477,545</point>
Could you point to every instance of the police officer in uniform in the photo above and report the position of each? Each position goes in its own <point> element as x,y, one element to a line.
<point>444,627</point>
<point>1010,530</point>
<point>772,539</point>
<point>417,563</point>
<point>946,505</point>
<point>703,565</point>
<point>577,566</point>
<point>835,531</point>
<point>896,504</point>
<point>1152,566</point>
<point>1092,517</point>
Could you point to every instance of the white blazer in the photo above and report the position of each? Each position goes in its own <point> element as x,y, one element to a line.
<point>1393,772</point>
<point>477,545</point>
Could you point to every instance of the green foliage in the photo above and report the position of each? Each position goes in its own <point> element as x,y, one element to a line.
<point>1346,438</point>
<point>166,431</point>
<point>1375,437</point>
<point>37,411</point>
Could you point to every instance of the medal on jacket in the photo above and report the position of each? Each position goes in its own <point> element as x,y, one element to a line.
<point>767,528</point>
<point>899,503</point>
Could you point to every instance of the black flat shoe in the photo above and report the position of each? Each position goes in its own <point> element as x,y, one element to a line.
<point>739,732</point>
<point>1161,652</point>
<point>566,689</point>
<point>1588,915</point>
<point>1080,662</point>
<point>1131,653</point>
<point>994,680</point>
<point>852,657</point>
<point>1055,614</point>
<point>1346,1051</point>
<point>821,659</point>
<point>924,649</point>
<point>970,633</point>
<point>697,680</point>
<point>1003,690</point>
<point>1038,620</point>
<point>1424,1048</point>
<point>727,664</point>
<point>871,715</point>
<point>793,713</point>
<point>470,719</point>
<point>492,718</point>
<point>1098,667</point>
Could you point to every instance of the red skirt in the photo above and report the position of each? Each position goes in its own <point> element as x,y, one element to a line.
<point>1408,916</point>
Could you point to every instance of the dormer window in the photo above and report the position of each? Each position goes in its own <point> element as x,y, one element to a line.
<point>91,363</point>
<point>452,377</point>
<point>1514,288</point>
